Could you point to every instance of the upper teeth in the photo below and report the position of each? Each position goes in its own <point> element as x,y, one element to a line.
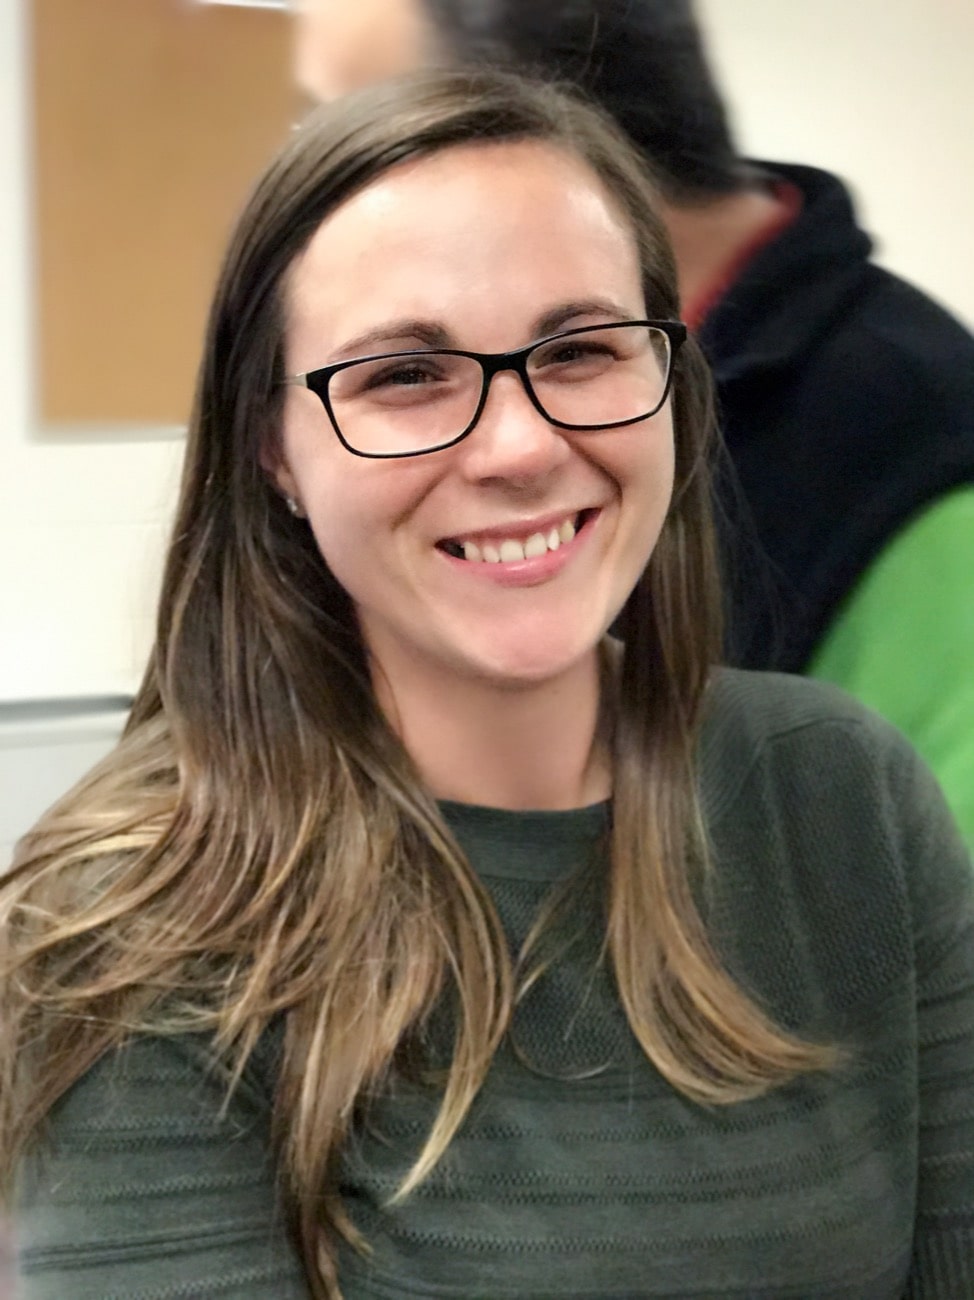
<point>510,550</point>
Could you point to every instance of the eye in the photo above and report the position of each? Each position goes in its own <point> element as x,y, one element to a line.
<point>388,379</point>
<point>574,358</point>
<point>409,375</point>
<point>575,350</point>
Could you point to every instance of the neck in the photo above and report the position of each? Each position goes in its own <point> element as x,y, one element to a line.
<point>706,237</point>
<point>530,747</point>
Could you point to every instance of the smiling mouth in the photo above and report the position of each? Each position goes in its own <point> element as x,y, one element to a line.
<point>513,550</point>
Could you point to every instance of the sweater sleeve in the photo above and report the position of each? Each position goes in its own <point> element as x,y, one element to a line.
<point>942,891</point>
<point>904,643</point>
<point>148,1186</point>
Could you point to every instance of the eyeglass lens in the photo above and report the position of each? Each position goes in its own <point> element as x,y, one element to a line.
<point>403,404</point>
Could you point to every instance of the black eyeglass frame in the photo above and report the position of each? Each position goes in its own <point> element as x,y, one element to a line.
<point>491,364</point>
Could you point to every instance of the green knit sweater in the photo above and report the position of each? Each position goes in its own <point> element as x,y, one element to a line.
<point>841,897</point>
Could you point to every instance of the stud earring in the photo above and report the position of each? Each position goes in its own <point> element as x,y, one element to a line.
<point>294,508</point>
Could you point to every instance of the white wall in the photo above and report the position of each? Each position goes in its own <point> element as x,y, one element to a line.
<point>44,750</point>
<point>877,89</point>
<point>880,91</point>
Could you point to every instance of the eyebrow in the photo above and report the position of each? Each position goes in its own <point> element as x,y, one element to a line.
<point>558,317</point>
<point>431,334</point>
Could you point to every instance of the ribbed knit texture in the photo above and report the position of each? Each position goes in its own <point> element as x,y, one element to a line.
<point>841,897</point>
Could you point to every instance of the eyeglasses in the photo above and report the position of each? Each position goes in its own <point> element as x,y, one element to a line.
<point>412,403</point>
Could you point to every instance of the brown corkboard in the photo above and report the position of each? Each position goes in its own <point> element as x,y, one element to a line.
<point>151,120</point>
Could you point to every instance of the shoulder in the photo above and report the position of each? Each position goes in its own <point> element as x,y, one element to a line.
<point>859,318</point>
<point>828,775</point>
<point>799,781</point>
<point>755,716</point>
<point>749,713</point>
<point>830,842</point>
<point>896,356</point>
<point>901,335</point>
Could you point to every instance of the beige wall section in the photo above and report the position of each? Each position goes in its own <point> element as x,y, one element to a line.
<point>151,119</point>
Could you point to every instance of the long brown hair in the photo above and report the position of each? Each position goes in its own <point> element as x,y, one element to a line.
<point>259,844</point>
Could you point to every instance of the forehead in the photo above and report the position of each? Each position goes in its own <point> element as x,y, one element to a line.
<point>472,230</point>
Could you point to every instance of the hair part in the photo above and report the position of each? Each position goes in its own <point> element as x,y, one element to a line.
<point>198,879</point>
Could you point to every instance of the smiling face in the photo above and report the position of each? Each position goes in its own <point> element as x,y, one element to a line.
<point>483,247</point>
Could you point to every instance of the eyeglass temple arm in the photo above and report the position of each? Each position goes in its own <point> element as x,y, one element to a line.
<point>295,381</point>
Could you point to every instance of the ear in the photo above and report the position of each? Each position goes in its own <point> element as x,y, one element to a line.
<point>274,465</point>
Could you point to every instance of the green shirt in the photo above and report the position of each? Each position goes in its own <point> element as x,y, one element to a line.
<point>904,643</point>
<point>841,897</point>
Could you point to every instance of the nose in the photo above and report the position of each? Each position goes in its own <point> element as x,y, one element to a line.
<point>512,440</point>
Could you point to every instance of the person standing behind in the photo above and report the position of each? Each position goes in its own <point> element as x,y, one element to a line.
<point>846,395</point>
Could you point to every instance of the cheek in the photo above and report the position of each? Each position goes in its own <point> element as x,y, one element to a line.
<point>335,537</point>
<point>663,456</point>
<point>360,514</point>
<point>648,491</point>
<point>322,475</point>
<point>344,528</point>
<point>645,468</point>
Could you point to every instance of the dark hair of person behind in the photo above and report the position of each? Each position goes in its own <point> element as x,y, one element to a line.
<point>260,845</point>
<point>642,60</point>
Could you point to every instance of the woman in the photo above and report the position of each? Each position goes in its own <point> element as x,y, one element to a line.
<point>418,940</point>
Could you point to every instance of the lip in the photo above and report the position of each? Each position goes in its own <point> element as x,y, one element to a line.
<point>530,572</point>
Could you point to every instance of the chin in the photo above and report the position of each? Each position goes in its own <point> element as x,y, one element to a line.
<point>519,666</point>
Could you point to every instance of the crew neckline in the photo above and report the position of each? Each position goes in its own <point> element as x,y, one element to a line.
<point>534,844</point>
